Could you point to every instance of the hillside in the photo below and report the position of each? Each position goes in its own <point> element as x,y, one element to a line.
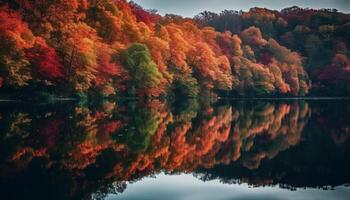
<point>115,48</point>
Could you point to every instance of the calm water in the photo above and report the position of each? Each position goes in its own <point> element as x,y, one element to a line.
<point>252,149</point>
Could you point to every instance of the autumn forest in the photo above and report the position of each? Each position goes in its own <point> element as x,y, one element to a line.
<point>110,100</point>
<point>115,48</point>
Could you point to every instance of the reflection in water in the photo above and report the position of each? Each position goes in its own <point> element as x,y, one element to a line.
<point>189,188</point>
<point>84,152</point>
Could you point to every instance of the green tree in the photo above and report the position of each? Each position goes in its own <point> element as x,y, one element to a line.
<point>142,70</point>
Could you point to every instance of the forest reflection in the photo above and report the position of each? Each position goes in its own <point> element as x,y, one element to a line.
<point>70,151</point>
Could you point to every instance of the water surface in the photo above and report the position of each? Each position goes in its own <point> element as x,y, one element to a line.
<point>237,149</point>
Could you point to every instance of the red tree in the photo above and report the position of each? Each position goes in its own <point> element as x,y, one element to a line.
<point>45,59</point>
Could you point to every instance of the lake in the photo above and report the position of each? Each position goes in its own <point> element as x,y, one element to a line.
<point>244,149</point>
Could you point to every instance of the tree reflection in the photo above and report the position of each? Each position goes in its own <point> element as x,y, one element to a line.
<point>88,151</point>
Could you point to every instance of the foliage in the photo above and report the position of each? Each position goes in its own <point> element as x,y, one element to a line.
<point>75,46</point>
<point>317,35</point>
<point>142,70</point>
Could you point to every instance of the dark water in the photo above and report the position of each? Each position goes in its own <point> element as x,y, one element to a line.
<point>251,149</point>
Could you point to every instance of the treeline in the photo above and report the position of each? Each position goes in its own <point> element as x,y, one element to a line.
<point>112,47</point>
<point>322,37</point>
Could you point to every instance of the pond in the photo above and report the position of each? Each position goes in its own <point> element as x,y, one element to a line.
<point>232,149</point>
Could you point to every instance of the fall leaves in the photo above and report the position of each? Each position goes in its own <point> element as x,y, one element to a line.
<point>93,45</point>
<point>318,35</point>
<point>266,67</point>
<point>15,37</point>
<point>45,59</point>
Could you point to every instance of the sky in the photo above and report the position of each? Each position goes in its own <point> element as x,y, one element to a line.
<point>190,8</point>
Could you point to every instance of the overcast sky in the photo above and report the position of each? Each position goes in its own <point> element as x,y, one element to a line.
<point>189,8</point>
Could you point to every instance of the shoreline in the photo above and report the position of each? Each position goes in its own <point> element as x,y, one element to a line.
<point>219,98</point>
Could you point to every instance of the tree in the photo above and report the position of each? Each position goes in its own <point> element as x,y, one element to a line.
<point>253,36</point>
<point>142,70</point>
<point>79,48</point>
<point>45,61</point>
<point>185,85</point>
<point>144,16</point>
<point>103,16</point>
<point>15,37</point>
<point>212,71</point>
<point>290,64</point>
<point>337,74</point>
